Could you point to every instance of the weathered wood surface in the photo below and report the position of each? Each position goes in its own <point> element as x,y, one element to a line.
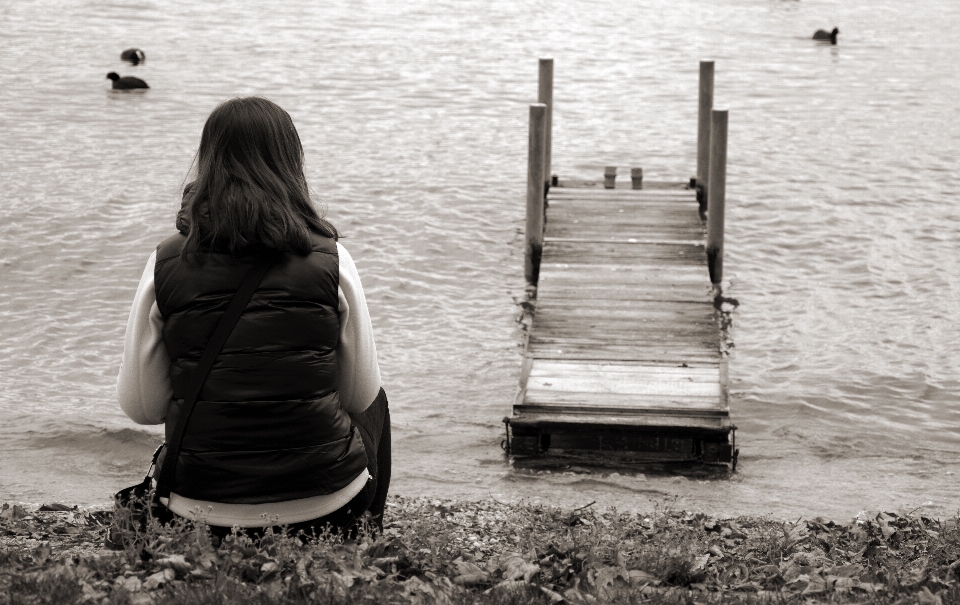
<point>624,331</point>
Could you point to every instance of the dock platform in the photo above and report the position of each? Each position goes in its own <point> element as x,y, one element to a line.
<point>624,359</point>
<point>624,352</point>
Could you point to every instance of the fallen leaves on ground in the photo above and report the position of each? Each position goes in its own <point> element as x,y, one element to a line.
<point>434,551</point>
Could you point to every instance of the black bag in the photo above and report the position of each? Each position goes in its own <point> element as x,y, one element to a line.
<point>134,506</point>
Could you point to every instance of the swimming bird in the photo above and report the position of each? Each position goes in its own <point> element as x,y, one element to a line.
<point>133,55</point>
<point>126,82</point>
<point>825,35</point>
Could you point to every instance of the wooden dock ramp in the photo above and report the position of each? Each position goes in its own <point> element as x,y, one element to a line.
<point>624,356</point>
<point>624,352</point>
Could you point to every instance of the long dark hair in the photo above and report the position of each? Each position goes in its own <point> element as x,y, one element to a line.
<point>250,194</point>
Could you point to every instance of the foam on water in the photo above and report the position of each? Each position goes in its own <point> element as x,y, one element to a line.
<point>842,229</point>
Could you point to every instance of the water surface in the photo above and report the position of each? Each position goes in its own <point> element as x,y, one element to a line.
<point>842,227</point>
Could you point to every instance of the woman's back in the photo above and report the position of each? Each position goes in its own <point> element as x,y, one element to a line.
<point>271,398</point>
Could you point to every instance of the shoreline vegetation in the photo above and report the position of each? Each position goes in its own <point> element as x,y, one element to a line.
<point>441,551</point>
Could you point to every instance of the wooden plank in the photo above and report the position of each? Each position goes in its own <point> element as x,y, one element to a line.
<point>652,349</point>
<point>602,211</point>
<point>584,209</point>
<point>637,233</point>
<point>638,194</point>
<point>627,204</point>
<point>626,234</point>
<point>524,375</point>
<point>622,275</point>
<point>617,194</point>
<point>633,325</point>
<point>619,409</point>
<point>623,384</point>
<point>622,213</point>
<point>678,414</point>
<point>564,308</point>
<point>637,420</point>
<point>692,343</point>
<point>658,339</point>
<point>541,367</point>
<point>713,363</point>
<point>600,310</point>
<point>724,382</point>
<point>600,252</point>
<point>619,352</point>
<point>588,292</point>
<point>562,269</point>
<point>675,346</point>
<point>625,292</point>
<point>677,338</point>
<point>638,280</point>
<point>592,403</point>
<point>637,276</point>
<point>608,250</point>
<point>597,250</point>
<point>629,329</point>
<point>626,403</point>
<point>643,311</point>
<point>624,183</point>
<point>624,240</point>
<point>624,221</point>
<point>642,304</point>
<point>637,289</point>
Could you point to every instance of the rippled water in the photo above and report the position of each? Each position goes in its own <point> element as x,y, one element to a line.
<point>842,226</point>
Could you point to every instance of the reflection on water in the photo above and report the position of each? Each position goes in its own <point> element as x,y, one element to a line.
<point>842,230</point>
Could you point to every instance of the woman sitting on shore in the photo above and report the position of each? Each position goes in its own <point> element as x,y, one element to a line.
<point>291,426</point>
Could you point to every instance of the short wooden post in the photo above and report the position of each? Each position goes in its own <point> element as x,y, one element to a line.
<point>535,190</point>
<point>636,176</point>
<point>610,177</point>
<point>545,96</point>
<point>716,194</point>
<point>703,131</point>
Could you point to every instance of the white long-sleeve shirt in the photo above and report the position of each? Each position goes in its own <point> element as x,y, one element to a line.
<point>144,391</point>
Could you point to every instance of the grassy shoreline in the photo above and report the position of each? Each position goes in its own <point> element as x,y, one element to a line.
<point>435,551</point>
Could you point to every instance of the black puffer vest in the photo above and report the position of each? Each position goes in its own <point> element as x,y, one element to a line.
<point>267,426</point>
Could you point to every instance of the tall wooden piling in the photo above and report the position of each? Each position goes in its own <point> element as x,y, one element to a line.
<point>703,129</point>
<point>545,96</point>
<point>535,191</point>
<point>716,194</point>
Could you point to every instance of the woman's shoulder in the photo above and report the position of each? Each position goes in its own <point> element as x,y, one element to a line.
<point>170,247</point>
<point>324,244</point>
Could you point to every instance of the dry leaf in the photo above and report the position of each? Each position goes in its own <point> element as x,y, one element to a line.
<point>515,567</point>
<point>553,596</point>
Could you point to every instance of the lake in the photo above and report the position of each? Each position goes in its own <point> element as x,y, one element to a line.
<point>841,245</point>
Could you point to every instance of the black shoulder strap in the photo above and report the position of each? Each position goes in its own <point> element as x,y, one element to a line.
<point>230,317</point>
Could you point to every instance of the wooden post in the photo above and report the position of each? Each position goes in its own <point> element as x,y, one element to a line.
<point>545,96</point>
<point>535,189</point>
<point>703,131</point>
<point>609,177</point>
<point>716,192</point>
<point>636,176</point>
